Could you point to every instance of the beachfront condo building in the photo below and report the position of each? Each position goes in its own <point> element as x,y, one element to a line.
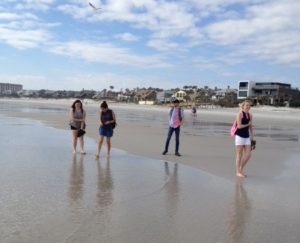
<point>245,89</point>
<point>7,88</point>
<point>270,93</point>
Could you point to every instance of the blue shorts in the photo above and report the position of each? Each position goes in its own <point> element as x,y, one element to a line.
<point>106,131</point>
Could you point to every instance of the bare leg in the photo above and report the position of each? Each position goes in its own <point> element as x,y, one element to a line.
<point>81,140</point>
<point>108,144</point>
<point>100,142</point>
<point>238,160</point>
<point>246,156</point>
<point>74,140</point>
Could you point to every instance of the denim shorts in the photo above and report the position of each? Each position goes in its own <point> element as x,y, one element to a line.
<point>106,131</point>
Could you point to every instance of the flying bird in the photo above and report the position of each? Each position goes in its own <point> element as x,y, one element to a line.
<point>94,7</point>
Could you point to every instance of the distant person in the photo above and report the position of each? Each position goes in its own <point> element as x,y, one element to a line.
<point>194,111</point>
<point>243,138</point>
<point>175,121</point>
<point>77,124</point>
<point>106,125</point>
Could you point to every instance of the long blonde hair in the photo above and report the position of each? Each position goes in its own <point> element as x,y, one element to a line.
<point>243,104</point>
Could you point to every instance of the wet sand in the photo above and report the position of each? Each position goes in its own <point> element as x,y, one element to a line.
<point>49,195</point>
<point>204,143</point>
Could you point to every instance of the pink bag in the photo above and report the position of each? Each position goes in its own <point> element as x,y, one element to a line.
<point>233,129</point>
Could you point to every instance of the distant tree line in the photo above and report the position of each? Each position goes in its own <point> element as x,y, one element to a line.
<point>193,95</point>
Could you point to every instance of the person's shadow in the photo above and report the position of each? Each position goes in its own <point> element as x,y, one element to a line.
<point>76,181</point>
<point>239,213</point>
<point>105,184</point>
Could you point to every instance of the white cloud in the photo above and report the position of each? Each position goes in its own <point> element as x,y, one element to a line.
<point>275,48</point>
<point>81,80</point>
<point>259,20</point>
<point>28,81</point>
<point>23,39</point>
<point>14,16</point>
<point>76,11</point>
<point>236,30</point>
<point>205,64</point>
<point>8,16</point>
<point>164,19</point>
<point>106,53</point>
<point>269,31</point>
<point>24,30</point>
<point>127,37</point>
<point>41,5</point>
<point>99,81</point>
<point>163,45</point>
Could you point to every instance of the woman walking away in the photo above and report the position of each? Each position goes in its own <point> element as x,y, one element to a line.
<point>77,124</point>
<point>243,137</point>
<point>106,126</point>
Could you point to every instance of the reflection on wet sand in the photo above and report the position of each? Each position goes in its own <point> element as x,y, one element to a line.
<point>104,184</point>
<point>239,213</point>
<point>172,188</point>
<point>76,179</point>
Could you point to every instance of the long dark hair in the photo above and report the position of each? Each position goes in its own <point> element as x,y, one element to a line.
<point>104,105</point>
<point>73,105</point>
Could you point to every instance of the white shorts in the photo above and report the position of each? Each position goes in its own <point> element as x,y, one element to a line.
<point>242,141</point>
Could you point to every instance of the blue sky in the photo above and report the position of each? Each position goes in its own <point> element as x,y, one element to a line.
<point>52,44</point>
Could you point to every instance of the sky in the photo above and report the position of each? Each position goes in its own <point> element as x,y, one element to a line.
<point>67,45</point>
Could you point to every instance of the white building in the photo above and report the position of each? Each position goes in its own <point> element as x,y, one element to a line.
<point>164,96</point>
<point>245,89</point>
<point>180,95</point>
<point>7,88</point>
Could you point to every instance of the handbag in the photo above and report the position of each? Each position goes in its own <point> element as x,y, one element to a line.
<point>80,133</point>
<point>233,129</point>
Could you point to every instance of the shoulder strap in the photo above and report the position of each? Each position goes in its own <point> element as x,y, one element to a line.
<point>111,114</point>
<point>171,111</point>
<point>243,114</point>
<point>179,113</point>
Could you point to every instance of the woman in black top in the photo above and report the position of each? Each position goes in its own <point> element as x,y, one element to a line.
<point>106,126</point>
<point>243,137</point>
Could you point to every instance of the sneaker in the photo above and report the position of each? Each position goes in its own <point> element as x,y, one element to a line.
<point>178,154</point>
<point>165,152</point>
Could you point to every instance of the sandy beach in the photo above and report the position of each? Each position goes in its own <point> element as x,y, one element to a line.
<point>140,195</point>
<point>205,142</point>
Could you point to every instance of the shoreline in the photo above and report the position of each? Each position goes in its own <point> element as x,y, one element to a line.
<point>52,195</point>
<point>212,154</point>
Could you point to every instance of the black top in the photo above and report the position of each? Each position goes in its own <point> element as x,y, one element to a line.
<point>244,132</point>
<point>105,117</point>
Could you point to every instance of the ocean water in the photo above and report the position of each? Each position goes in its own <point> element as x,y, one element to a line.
<point>47,194</point>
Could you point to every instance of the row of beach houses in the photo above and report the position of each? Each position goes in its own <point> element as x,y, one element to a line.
<point>271,93</point>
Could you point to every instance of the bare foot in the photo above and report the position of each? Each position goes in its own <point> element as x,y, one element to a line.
<point>83,152</point>
<point>74,151</point>
<point>240,175</point>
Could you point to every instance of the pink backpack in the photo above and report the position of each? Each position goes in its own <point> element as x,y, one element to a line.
<point>233,128</point>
